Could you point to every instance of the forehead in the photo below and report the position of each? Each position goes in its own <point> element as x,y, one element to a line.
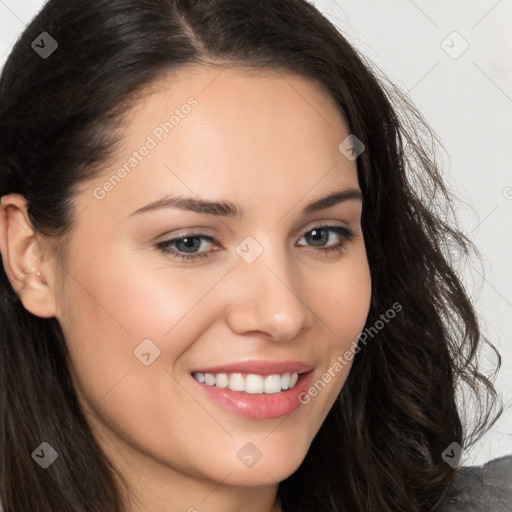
<point>251,106</point>
<point>255,133</point>
<point>241,87</point>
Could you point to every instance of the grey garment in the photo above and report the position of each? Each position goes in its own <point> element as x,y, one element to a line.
<point>486,488</point>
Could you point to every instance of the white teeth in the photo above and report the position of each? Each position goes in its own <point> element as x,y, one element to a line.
<point>222,380</point>
<point>253,384</point>
<point>236,382</point>
<point>250,383</point>
<point>272,384</point>
<point>208,378</point>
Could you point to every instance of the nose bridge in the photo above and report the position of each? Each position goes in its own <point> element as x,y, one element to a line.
<point>266,299</point>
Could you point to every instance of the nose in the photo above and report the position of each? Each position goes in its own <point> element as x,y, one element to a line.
<point>267,298</point>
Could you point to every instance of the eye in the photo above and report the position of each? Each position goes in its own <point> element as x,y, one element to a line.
<point>321,234</point>
<point>186,246</point>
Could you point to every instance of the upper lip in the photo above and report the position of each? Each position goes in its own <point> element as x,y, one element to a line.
<point>258,367</point>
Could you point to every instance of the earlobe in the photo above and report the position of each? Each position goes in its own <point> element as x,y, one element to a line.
<point>28,273</point>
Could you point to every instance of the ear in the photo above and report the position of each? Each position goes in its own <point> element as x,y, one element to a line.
<point>23,258</point>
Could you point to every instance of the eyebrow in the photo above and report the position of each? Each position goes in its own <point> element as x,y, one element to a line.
<point>232,210</point>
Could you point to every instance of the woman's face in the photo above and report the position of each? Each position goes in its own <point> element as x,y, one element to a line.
<point>261,300</point>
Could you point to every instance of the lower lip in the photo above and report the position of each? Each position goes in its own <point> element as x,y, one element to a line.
<point>261,405</point>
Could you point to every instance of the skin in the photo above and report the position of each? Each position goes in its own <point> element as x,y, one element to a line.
<point>268,142</point>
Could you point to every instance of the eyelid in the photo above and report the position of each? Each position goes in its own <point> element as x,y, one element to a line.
<point>199,231</point>
<point>185,232</point>
<point>326,223</point>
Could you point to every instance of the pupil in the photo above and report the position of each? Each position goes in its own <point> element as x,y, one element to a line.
<point>318,237</point>
<point>190,242</point>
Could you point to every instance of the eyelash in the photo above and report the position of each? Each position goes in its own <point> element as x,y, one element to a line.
<point>346,234</point>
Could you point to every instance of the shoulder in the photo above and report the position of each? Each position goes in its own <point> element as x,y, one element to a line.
<point>486,488</point>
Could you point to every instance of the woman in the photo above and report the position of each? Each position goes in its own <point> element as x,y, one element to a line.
<point>221,287</point>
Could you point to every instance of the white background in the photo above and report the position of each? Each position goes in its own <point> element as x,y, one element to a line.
<point>468,102</point>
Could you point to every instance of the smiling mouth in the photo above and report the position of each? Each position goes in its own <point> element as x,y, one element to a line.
<point>259,391</point>
<point>249,383</point>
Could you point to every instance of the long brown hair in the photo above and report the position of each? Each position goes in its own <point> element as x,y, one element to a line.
<point>380,448</point>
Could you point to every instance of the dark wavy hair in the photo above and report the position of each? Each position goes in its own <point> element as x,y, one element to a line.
<point>61,118</point>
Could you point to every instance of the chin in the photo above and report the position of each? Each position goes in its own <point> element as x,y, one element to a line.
<point>273,465</point>
<point>262,474</point>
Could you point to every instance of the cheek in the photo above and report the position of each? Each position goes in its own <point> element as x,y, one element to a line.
<point>128,300</point>
<point>345,300</point>
<point>114,310</point>
<point>343,309</point>
<point>112,307</point>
